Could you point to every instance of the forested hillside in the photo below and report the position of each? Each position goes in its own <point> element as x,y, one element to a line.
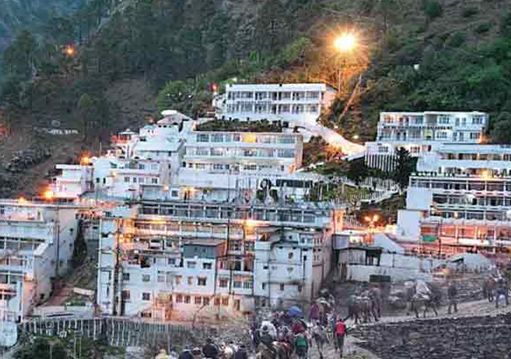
<point>410,55</point>
<point>16,15</point>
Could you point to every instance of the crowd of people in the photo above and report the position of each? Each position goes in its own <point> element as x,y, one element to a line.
<point>286,333</point>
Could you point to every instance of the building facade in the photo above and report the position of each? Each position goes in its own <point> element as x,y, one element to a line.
<point>421,133</point>
<point>461,198</point>
<point>176,260</point>
<point>289,103</point>
<point>36,246</point>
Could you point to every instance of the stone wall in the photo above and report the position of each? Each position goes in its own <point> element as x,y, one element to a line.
<point>462,338</point>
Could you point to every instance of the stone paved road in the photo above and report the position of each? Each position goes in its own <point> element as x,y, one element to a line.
<point>469,309</point>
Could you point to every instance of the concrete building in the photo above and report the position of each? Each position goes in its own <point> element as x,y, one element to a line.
<point>36,245</point>
<point>421,133</point>
<point>289,103</point>
<point>199,260</point>
<point>459,199</point>
<point>170,160</point>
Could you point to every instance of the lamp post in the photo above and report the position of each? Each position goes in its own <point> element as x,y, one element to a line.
<point>344,44</point>
<point>372,220</point>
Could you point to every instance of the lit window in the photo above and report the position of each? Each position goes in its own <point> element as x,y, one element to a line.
<point>178,279</point>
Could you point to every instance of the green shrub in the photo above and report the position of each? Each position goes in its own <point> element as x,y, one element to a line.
<point>456,40</point>
<point>433,9</point>
<point>469,12</point>
<point>483,28</point>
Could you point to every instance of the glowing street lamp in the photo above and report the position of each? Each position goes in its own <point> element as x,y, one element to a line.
<point>48,195</point>
<point>345,43</point>
<point>69,51</point>
<point>85,160</point>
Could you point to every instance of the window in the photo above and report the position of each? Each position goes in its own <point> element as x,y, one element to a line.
<point>218,166</point>
<point>299,287</point>
<point>191,265</point>
<point>202,138</point>
<point>224,282</point>
<point>125,295</point>
<point>444,120</point>
<point>217,151</point>
<point>179,298</point>
<point>263,286</point>
<point>190,280</point>
<point>237,284</point>
<point>217,138</point>
<point>201,281</point>
<point>134,179</point>
<point>126,277</point>
<point>126,179</point>
<point>146,296</point>
<point>225,301</point>
<point>477,120</point>
<point>146,278</point>
<point>198,300</point>
<point>202,151</point>
<point>441,135</point>
<point>247,284</point>
<point>282,287</point>
<point>178,279</point>
<point>205,301</point>
<point>290,255</point>
<point>187,299</point>
<point>217,302</point>
<point>207,266</point>
<point>154,180</point>
<point>161,277</point>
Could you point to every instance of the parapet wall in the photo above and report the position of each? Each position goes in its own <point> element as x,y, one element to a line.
<point>461,338</point>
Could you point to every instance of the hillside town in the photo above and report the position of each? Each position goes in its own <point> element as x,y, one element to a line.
<point>183,224</point>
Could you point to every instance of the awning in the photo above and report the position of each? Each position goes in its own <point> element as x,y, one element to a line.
<point>429,238</point>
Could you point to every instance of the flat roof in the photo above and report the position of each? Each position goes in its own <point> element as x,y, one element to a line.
<point>276,87</point>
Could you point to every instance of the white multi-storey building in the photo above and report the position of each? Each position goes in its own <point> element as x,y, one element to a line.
<point>36,243</point>
<point>201,260</point>
<point>289,103</point>
<point>171,160</point>
<point>421,133</point>
<point>460,198</point>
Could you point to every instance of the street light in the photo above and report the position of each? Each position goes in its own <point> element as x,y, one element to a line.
<point>344,44</point>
